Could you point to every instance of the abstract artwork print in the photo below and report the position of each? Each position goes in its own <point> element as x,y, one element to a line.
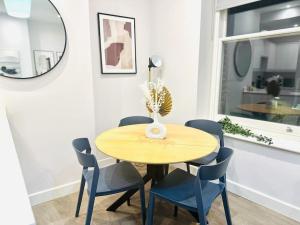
<point>117,44</point>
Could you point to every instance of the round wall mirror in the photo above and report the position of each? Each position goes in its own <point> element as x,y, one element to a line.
<point>242,58</point>
<point>32,38</point>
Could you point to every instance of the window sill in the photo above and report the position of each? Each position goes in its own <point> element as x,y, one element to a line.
<point>279,142</point>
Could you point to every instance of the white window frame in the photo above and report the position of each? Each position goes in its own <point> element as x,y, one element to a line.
<point>277,131</point>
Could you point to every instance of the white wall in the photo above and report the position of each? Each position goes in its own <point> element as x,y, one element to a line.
<point>118,96</point>
<point>175,36</point>
<point>46,36</point>
<point>46,113</point>
<point>266,175</point>
<point>14,179</point>
<point>18,29</point>
<point>205,56</point>
<point>286,56</point>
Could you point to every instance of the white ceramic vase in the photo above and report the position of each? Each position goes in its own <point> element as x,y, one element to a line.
<point>156,130</point>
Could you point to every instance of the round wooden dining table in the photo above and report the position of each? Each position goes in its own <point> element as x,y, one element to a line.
<point>129,143</point>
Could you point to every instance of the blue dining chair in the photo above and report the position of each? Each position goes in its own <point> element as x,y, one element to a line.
<point>194,193</point>
<point>133,120</point>
<point>105,181</point>
<point>211,127</point>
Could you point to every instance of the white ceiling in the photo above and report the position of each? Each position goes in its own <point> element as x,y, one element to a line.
<point>41,10</point>
<point>278,7</point>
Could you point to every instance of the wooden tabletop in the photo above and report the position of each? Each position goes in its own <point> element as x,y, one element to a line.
<point>182,144</point>
<point>263,108</point>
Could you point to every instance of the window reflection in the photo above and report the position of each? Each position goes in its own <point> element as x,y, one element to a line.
<point>270,87</point>
<point>274,17</point>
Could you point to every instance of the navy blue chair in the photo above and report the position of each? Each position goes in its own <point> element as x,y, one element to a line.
<point>133,120</point>
<point>105,181</point>
<point>211,127</point>
<point>194,193</point>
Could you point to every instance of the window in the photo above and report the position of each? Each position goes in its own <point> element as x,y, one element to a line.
<point>262,16</point>
<point>259,65</point>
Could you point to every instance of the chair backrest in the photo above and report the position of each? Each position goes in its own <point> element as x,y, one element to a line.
<point>83,151</point>
<point>135,120</point>
<point>208,126</point>
<point>217,171</point>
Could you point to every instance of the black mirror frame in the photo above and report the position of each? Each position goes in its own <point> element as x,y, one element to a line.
<point>63,52</point>
<point>234,59</point>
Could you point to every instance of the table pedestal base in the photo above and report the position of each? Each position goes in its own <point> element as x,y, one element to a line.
<point>154,173</point>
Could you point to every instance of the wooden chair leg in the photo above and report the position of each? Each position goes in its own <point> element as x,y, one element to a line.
<point>226,207</point>
<point>90,210</point>
<point>82,184</point>
<point>128,202</point>
<point>143,204</point>
<point>188,168</point>
<point>150,210</point>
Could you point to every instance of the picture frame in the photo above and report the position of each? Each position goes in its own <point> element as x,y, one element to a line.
<point>117,42</point>
<point>44,61</point>
<point>58,56</point>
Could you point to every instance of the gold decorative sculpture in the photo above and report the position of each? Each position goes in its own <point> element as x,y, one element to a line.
<point>164,94</point>
<point>166,106</point>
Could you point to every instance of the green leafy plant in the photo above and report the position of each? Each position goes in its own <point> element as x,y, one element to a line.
<point>234,128</point>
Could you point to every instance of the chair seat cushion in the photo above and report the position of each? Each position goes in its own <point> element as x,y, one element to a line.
<point>204,160</point>
<point>115,178</point>
<point>178,188</point>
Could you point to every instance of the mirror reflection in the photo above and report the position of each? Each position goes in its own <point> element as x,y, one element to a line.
<point>274,17</point>
<point>270,89</point>
<point>242,58</point>
<point>32,38</point>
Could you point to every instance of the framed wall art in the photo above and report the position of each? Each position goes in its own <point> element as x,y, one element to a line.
<point>117,44</point>
<point>44,61</point>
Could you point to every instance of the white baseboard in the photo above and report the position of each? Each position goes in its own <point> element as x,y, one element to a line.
<point>267,201</point>
<point>62,190</point>
<point>260,198</point>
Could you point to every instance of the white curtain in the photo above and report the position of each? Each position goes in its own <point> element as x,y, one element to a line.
<point>226,4</point>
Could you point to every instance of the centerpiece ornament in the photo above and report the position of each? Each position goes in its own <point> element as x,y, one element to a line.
<point>158,101</point>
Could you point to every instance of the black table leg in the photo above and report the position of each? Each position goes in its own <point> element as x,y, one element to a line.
<point>154,173</point>
<point>121,200</point>
<point>126,196</point>
<point>195,215</point>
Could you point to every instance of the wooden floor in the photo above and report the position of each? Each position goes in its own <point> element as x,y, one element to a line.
<point>61,212</point>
